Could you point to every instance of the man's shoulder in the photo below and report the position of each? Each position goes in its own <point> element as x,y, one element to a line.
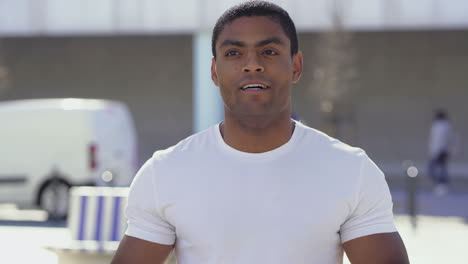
<point>191,145</point>
<point>319,141</point>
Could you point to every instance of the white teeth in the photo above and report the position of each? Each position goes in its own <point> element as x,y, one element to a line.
<point>255,85</point>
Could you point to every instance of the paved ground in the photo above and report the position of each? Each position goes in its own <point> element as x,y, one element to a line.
<point>436,240</point>
<point>24,244</point>
<point>440,234</point>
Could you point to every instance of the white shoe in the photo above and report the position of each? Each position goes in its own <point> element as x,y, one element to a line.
<point>441,190</point>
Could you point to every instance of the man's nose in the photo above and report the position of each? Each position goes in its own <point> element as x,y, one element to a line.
<point>253,65</point>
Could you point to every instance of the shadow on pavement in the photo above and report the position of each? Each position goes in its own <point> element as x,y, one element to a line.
<point>61,223</point>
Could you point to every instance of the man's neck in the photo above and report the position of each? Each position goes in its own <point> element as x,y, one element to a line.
<point>257,136</point>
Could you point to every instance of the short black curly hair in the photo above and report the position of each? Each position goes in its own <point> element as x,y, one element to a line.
<point>257,8</point>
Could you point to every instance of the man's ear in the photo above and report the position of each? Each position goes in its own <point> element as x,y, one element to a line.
<point>214,75</point>
<point>297,67</point>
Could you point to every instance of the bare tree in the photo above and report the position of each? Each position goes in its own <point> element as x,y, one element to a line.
<point>4,73</point>
<point>334,74</point>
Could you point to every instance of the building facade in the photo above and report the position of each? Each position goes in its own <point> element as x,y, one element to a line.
<point>409,61</point>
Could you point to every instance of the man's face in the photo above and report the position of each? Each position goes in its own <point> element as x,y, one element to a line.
<point>254,68</point>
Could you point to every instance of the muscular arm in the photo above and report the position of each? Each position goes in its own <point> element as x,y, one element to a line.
<point>385,248</point>
<point>133,250</point>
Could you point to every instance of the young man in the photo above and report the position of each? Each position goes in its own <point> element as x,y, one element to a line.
<point>441,144</point>
<point>259,187</point>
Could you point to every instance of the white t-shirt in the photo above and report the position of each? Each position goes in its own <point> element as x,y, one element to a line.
<point>295,204</point>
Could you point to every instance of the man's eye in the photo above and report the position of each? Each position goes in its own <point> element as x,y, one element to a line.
<point>270,52</point>
<point>232,53</point>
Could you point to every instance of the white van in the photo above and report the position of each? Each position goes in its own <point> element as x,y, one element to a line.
<point>48,145</point>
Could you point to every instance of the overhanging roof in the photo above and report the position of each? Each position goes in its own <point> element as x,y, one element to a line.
<point>115,17</point>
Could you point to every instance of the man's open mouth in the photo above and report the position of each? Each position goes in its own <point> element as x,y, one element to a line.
<point>254,86</point>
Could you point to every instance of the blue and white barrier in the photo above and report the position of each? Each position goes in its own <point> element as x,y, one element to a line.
<point>97,213</point>
<point>96,222</point>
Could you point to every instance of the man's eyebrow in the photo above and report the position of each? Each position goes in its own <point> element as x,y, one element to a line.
<point>267,41</point>
<point>230,42</point>
<point>238,43</point>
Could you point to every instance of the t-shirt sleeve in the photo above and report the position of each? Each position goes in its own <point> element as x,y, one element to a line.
<point>144,218</point>
<point>372,212</point>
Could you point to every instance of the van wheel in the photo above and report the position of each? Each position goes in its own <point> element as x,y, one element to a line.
<point>53,198</point>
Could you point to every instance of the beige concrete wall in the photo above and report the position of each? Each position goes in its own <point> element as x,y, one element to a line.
<point>402,77</point>
<point>151,74</point>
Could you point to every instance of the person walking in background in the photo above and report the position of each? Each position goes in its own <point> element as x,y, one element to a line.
<point>441,143</point>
